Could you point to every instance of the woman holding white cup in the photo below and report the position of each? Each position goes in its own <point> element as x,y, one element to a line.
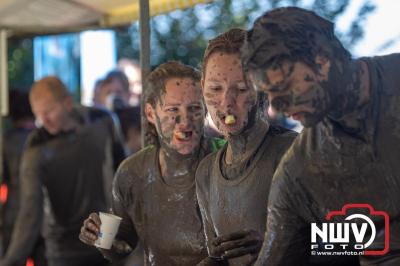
<point>154,189</point>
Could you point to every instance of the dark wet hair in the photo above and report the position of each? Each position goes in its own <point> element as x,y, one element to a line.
<point>117,75</point>
<point>155,87</point>
<point>292,34</point>
<point>158,77</point>
<point>229,42</point>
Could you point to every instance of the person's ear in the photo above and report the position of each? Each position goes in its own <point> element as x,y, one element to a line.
<point>202,84</point>
<point>323,67</point>
<point>150,114</point>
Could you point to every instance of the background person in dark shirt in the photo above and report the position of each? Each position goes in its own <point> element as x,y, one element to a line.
<point>66,172</point>
<point>348,151</point>
<point>22,124</point>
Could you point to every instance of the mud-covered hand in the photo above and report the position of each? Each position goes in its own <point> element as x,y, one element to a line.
<point>90,229</point>
<point>211,262</point>
<point>237,244</point>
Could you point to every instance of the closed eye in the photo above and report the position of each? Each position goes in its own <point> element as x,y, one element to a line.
<point>215,88</point>
<point>172,109</point>
<point>243,88</point>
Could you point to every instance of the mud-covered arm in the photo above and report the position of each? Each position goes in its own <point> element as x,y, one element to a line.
<point>126,238</point>
<point>30,215</point>
<point>287,237</point>
<point>202,188</point>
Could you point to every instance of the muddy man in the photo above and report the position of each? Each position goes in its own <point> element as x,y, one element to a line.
<point>348,151</point>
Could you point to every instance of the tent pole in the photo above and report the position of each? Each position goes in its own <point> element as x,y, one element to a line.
<point>3,92</point>
<point>144,24</point>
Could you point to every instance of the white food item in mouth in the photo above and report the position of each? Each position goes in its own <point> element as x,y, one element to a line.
<point>181,135</point>
<point>230,119</point>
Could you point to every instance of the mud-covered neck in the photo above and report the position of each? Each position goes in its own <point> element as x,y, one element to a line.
<point>352,98</point>
<point>177,169</point>
<point>242,146</point>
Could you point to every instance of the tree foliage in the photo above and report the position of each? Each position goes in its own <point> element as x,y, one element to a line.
<point>20,63</point>
<point>182,35</point>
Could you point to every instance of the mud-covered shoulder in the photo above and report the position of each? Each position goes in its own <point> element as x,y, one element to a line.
<point>384,69</point>
<point>133,169</point>
<point>281,141</point>
<point>293,161</point>
<point>203,170</point>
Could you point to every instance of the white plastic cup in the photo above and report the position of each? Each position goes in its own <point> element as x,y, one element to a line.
<point>108,230</point>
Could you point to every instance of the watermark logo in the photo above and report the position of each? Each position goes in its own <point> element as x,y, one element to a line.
<point>349,237</point>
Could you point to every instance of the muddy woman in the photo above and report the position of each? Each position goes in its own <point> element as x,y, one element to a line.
<point>154,189</point>
<point>233,183</point>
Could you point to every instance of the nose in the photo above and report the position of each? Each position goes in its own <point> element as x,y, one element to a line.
<point>228,99</point>
<point>182,120</point>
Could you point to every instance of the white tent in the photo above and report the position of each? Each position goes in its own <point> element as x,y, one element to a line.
<point>57,16</point>
<point>39,17</point>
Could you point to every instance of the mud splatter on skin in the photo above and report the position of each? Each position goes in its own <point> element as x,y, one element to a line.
<point>226,80</point>
<point>209,99</point>
<point>275,41</point>
<point>189,113</point>
<point>224,95</point>
<point>299,91</point>
<point>166,130</point>
<point>178,169</point>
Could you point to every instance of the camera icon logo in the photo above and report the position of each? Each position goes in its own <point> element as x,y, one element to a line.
<point>351,234</point>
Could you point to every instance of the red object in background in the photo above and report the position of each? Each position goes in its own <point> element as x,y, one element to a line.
<point>3,193</point>
<point>29,262</point>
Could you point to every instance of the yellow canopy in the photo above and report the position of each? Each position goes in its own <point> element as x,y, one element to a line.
<point>57,16</point>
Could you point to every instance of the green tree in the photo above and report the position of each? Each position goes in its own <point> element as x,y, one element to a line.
<point>20,63</point>
<point>183,34</point>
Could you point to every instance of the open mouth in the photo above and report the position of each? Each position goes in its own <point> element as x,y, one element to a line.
<point>183,135</point>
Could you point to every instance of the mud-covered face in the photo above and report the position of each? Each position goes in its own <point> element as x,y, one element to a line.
<point>179,115</point>
<point>226,94</point>
<point>295,90</point>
